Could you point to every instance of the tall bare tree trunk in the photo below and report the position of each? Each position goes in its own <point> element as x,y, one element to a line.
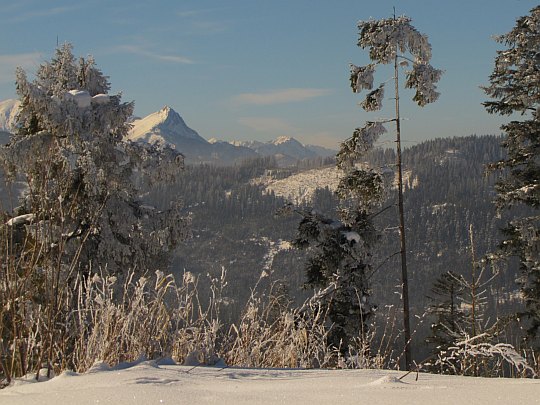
<point>403,249</point>
<point>474,284</point>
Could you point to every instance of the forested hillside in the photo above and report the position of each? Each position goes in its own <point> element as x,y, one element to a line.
<point>448,191</point>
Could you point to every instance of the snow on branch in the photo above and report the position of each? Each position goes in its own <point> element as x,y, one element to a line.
<point>373,101</point>
<point>20,220</point>
<point>362,77</point>
<point>423,77</point>
<point>366,187</point>
<point>387,40</point>
<point>361,141</point>
<point>467,354</point>
<point>387,37</point>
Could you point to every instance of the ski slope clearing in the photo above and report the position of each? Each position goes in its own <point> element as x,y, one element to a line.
<point>149,383</point>
<point>302,186</point>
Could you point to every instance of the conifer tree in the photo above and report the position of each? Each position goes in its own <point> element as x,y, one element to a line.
<point>340,261</point>
<point>83,209</point>
<point>395,41</point>
<point>515,88</point>
<point>446,297</point>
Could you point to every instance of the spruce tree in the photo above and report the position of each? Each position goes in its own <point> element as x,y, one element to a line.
<point>339,265</point>
<point>340,261</point>
<point>449,325</point>
<point>515,88</point>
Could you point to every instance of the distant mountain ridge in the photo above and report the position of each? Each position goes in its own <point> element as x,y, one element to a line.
<point>167,127</point>
<point>286,145</point>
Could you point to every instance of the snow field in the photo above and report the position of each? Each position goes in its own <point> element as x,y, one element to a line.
<point>150,383</point>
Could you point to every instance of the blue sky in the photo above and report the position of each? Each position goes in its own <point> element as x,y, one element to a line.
<point>253,69</point>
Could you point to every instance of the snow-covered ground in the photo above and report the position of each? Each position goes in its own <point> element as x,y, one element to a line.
<point>301,186</point>
<point>149,383</point>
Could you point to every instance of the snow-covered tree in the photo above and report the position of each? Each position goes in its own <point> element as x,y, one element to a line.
<point>339,265</point>
<point>515,88</point>
<point>395,41</point>
<point>340,249</point>
<point>83,209</point>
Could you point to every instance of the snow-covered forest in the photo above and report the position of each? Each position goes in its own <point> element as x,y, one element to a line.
<point>250,271</point>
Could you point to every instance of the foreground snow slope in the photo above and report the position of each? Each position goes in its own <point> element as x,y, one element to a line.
<point>147,383</point>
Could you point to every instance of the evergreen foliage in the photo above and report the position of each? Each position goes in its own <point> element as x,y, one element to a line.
<point>448,326</point>
<point>339,264</point>
<point>514,88</point>
<point>83,204</point>
<point>388,39</point>
<point>447,296</point>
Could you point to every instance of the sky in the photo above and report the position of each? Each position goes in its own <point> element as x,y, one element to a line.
<point>256,70</point>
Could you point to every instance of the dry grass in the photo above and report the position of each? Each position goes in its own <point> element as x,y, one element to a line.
<point>52,320</point>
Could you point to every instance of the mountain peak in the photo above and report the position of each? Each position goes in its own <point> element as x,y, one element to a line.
<point>287,148</point>
<point>166,110</point>
<point>283,139</point>
<point>163,126</point>
<point>172,119</point>
<point>8,114</point>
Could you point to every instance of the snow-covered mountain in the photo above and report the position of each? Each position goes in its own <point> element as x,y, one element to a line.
<point>287,149</point>
<point>283,145</point>
<point>167,127</point>
<point>164,126</point>
<point>8,114</point>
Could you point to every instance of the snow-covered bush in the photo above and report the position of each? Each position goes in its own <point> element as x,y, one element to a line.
<point>477,357</point>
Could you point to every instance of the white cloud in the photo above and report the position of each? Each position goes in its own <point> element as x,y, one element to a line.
<point>280,96</point>
<point>267,124</point>
<point>136,50</point>
<point>9,63</point>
